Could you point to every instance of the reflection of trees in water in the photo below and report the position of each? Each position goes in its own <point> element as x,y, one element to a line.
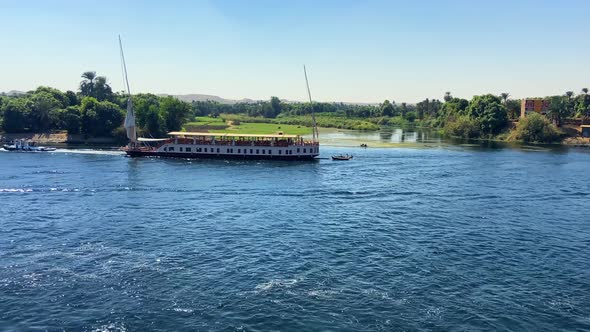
<point>411,137</point>
<point>385,135</point>
<point>398,135</point>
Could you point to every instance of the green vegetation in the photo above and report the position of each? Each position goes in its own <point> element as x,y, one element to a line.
<point>94,111</point>
<point>535,128</point>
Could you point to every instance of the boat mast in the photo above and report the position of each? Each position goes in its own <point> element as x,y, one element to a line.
<point>130,116</point>
<point>315,133</point>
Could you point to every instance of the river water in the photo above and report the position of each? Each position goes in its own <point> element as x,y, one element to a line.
<point>449,238</point>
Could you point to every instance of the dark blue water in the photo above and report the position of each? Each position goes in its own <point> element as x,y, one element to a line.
<point>453,239</point>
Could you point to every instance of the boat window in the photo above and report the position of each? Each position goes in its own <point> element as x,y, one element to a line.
<point>180,149</point>
<point>269,151</point>
<point>280,151</point>
<point>257,151</point>
<point>251,151</point>
<point>239,150</point>
<point>188,149</point>
<point>171,148</point>
<point>217,150</point>
<point>205,149</point>
<point>164,149</point>
<point>263,151</point>
<point>304,150</point>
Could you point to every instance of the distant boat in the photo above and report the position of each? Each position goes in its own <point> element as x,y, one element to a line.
<point>23,145</point>
<point>342,157</point>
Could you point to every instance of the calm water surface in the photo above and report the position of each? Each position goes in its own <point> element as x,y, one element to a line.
<point>449,239</point>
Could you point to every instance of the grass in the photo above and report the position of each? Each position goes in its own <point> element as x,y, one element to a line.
<point>325,120</point>
<point>225,124</point>
<point>205,123</point>
<point>265,128</point>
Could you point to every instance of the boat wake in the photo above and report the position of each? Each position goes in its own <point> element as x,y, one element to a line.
<point>91,151</point>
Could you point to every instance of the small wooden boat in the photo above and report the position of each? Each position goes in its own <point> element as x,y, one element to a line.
<point>342,157</point>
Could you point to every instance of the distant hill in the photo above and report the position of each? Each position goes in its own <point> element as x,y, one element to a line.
<point>13,93</point>
<point>199,97</point>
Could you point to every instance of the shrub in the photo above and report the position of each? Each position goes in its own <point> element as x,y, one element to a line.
<point>411,116</point>
<point>535,128</point>
<point>464,127</point>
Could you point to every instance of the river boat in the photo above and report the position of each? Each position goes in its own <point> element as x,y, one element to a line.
<point>276,146</point>
<point>26,146</point>
<point>342,157</point>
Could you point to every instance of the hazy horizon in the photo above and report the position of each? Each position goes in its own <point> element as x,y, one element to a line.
<point>355,52</point>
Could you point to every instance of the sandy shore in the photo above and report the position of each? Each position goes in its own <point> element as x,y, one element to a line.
<point>57,138</point>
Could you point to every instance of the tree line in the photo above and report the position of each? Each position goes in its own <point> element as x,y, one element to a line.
<point>94,110</point>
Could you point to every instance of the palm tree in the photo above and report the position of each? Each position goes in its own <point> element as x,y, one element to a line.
<point>504,96</point>
<point>585,91</point>
<point>448,96</point>
<point>569,94</point>
<point>102,90</point>
<point>87,85</point>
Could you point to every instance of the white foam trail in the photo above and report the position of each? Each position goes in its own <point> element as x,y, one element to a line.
<point>91,151</point>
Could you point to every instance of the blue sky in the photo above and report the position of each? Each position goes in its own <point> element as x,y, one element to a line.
<point>355,51</point>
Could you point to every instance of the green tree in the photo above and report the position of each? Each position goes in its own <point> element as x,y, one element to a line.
<point>490,112</point>
<point>14,112</point>
<point>43,115</point>
<point>558,110</point>
<point>386,108</point>
<point>154,122</point>
<point>513,108</point>
<point>100,118</point>
<point>447,97</point>
<point>96,86</point>
<point>72,98</point>
<point>175,112</point>
<point>504,96</point>
<point>70,119</point>
<point>87,85</point>
<point>102,90</point>
<point>275,108</point>
<point>535,128</point>
<point>142,104</point>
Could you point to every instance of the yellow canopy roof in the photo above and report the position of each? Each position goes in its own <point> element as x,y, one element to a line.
<point>188,133</point>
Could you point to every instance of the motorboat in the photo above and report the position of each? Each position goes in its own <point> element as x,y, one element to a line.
<point>342,157</point>
<point>24,145</point>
